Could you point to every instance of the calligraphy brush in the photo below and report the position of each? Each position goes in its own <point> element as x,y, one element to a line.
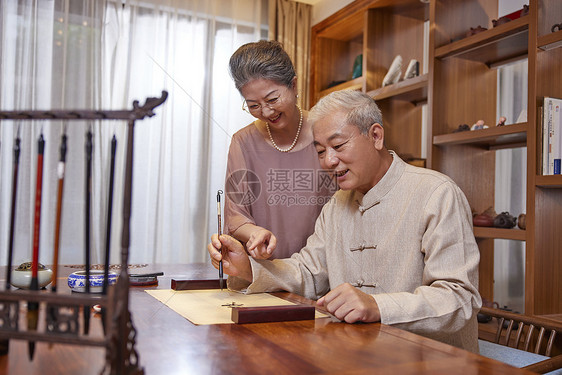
<point>221,281</point>
<point>5,343</point>
<point>33,307</point>
<point>60,173</point>
<point>88,191</point>
<point>56,247</point>
<point>15,172</point>
<point>108,228</point>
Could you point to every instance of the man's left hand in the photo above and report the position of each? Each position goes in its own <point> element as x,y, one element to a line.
<point>350,304</point>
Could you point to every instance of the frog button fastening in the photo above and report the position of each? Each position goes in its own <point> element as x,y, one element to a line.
<point>360,284</point>
<point>362,247</point>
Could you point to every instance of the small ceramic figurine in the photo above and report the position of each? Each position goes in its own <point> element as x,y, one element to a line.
<point>394,72</point>
<point>461,128</point>
<point>479,125</point>
<point>500,21</point>
<point>475,30</point>
<point>485,219</point>
<point>521,221</point>
<point>357,67</point>
<point>505,220</point>
<point>501,121</point>
<point>413,69</point>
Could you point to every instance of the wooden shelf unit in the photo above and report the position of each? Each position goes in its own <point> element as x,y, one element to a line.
<point>464,81</point>
<point>550,41</point>
<point>354,84</point>
<point>508,136</point>
<point>506,42</point>
<point>460,88</point>
<point>500,233</point>
<point>413,90</point>
<point>549,181</point>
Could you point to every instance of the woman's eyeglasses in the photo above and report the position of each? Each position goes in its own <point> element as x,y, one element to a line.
<point>256,108</point>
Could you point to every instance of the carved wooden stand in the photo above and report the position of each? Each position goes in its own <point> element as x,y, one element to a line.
<point>61,312</point>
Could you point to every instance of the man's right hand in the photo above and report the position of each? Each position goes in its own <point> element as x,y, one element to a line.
<point>235,261</point>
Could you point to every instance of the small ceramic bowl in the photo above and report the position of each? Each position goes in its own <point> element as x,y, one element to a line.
<point>77,281</point>
<point>22,278</point>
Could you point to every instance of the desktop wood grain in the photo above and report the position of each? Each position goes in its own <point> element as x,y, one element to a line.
<point>169,344</point>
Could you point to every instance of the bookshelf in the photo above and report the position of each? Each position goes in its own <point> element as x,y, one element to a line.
<point>544,279</point>
<point>379,30</point>
<point>470,158</point>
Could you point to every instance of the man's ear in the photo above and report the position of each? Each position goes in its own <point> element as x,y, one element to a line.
<point>376,134</point>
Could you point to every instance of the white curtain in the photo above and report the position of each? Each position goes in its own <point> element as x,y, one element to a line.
<point>49,53</point>
<point>105,54</point>
<point>511,172</point>
<point>290,24</point>
<point>510,188</point>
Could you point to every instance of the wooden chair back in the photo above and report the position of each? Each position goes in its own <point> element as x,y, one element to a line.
<point>528,333</point>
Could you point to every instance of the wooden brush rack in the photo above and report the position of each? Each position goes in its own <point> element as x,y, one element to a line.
<point>59,317</point>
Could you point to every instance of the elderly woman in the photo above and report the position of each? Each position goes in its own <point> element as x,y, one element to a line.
<point>275,188</point>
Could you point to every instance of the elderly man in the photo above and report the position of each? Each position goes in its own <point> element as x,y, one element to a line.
<point>394,245</point>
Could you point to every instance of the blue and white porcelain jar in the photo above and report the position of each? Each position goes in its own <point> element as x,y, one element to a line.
<point>77,281</point>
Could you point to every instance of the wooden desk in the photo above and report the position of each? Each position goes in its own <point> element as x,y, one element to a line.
<point>169,344</point>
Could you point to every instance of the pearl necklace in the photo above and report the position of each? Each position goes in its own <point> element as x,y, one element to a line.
<point>296,137</point>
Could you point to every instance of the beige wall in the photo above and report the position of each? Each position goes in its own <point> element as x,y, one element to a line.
<point>322,9</point>
<point>325,8</point>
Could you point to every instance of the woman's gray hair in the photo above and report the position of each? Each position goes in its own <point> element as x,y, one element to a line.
<point>265,59</point>
<point>361,109</point>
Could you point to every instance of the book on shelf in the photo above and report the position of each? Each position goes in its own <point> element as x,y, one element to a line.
<point>551,135</point>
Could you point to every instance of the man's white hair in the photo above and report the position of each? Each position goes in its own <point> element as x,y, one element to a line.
<point>360,109</point>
